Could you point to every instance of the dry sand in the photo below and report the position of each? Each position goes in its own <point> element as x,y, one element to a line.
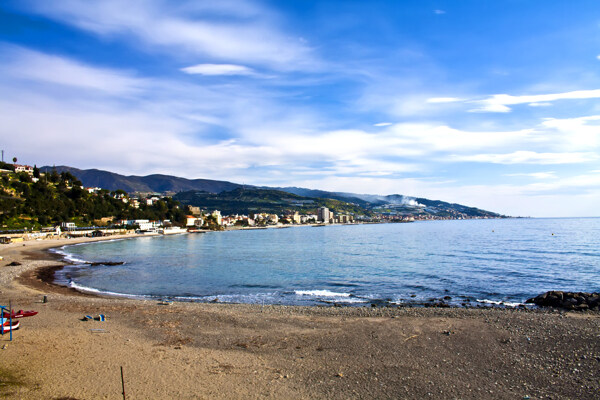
<point>218,351</point>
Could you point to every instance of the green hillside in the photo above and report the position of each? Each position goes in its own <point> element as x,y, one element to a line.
<point>245,201</point>
<point>57,198</point>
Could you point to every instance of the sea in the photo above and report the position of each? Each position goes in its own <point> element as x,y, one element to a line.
<point>492,262</point>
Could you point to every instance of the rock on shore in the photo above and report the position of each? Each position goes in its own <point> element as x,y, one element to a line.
<point>579,301</point>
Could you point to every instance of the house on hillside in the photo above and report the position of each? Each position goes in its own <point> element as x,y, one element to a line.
<point>24,168</point>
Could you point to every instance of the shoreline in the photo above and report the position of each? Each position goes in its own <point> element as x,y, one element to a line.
<point>240,351</point>
<point>43,278</point>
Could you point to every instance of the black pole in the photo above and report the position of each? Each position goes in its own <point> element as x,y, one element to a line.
<point>123,383</point>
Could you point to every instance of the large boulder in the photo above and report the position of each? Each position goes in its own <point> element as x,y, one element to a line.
<point>567,300</point>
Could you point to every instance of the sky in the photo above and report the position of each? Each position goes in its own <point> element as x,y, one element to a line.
<point>491,104</point>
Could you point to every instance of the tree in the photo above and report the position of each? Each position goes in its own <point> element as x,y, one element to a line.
<point>14,160</point>
<point>54,177</point>
<point>36,172</point>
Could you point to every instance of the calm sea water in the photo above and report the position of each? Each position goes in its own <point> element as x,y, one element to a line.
<point>505,260</point>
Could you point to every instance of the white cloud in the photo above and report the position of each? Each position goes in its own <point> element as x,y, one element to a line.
<point>218,69</point>
<point>383,124</point>
<point>439,12</point>
<point>444,100</point>
<point>539,104</point>
<point>536,175</point>
<point>31,65</point>
<point>500,102</point>
<point>570,134</point>
<point>246,37</point>
<point>530,157</point>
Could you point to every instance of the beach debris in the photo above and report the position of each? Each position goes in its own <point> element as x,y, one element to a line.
<point>339,375</point>
<point>87,318</point>
<point>5,347</point>
<point>101,318</point>
<point>45,299</point>
<point>13,264</point>
<point>165,303</point>
<point>99,331</point>
<point>410,337</point>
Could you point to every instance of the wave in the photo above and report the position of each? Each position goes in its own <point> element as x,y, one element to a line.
<point>502,303</point>
<point>321,293</point>
<point>68,257</point>
<point>87,289</point>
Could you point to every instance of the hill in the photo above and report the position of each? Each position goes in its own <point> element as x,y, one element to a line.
<point>251,200</point>
<point>149,183</point>
<point>211,194</point>
<point>27,202</point>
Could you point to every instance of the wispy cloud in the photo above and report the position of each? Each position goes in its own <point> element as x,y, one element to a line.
<point>380,124</point>
<point>536,175</point>
<point>439,12</point>
<point>25,64</point>
<point>531,157</point>
<point>218,69</point>
<point>252,37</point>
<point>501,102</point>
<point>444,100</point>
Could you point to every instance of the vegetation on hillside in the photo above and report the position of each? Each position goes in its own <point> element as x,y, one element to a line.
<point>57,198</point>
<point>203,193</point>
<point>246,201</point>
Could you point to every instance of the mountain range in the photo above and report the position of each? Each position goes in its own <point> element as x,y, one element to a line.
<point>233,197</point>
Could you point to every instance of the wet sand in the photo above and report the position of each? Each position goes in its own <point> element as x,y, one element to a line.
<point>208,351</point>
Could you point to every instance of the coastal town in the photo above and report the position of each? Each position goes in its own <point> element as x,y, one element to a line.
<point>154,213</point>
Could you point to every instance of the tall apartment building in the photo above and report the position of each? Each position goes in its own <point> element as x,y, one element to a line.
<point>324,214</point>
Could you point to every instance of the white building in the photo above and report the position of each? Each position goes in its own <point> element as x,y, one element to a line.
<point>324,215</point>
<point>217,215</point>
<point>24,168</point>
<point>67,225</point>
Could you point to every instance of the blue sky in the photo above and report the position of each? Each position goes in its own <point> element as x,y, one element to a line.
<point>493,104</point>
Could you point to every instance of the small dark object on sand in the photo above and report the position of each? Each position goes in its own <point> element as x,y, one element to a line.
<point>13,264</point>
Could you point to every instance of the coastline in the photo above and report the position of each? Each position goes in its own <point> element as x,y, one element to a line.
<point>202,350</point>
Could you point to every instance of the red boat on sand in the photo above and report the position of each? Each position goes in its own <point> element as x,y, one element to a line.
<point>5,325</point>
<point>19,314</point>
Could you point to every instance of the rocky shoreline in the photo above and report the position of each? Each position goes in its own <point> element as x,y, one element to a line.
<point>574,301</point>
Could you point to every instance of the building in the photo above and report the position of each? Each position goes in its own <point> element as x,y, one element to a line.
<point>324,215</point>
<point>218,217</point>
<point>296,218</point>
<point>345,219</point>
<point>190,220</point>
<point>24,168</point>
<point>67,226</point>
<point>194,210</point>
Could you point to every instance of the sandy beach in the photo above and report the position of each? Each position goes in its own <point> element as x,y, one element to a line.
<point>220,351</point>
